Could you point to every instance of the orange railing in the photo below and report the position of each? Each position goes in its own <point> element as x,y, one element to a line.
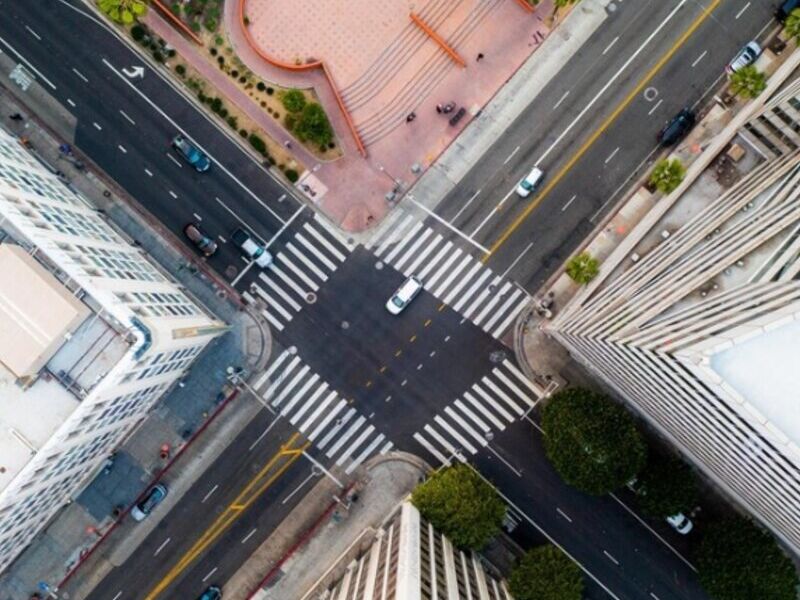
<point>438,39</point>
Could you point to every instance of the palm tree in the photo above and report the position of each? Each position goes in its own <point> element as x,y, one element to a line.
<point>792,24</point>
<point>583,268</point>
<point>123,11</point>
<point>667,175</point>
<point>748,82</point>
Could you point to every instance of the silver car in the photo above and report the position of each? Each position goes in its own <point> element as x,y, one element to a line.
<point>151,499</point>
<point>746,56</point>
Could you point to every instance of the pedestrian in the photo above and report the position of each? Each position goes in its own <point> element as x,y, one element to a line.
<point>449,107</point>
<point>15,117</point>
<point>411,116</point>
<point>439,108</point>
<point>480,57</point>
<point>287,143</point>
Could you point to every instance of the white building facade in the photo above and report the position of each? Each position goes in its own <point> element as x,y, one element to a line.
<point>73,386</point>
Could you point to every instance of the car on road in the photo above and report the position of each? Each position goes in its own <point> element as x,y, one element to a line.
<point>200,239</point>
<point>677,128</point>
<point>785,9</point>
<point>250,248</point>
<point>530,182</point>
<point>404,295</point>
<point>151,499</point>
<point>212,593</point>
<point>746,56</point>
<point>680,523</point>
<point>191,154</point>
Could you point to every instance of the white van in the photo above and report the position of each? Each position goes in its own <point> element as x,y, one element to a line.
<point>530,182</point>
<point>404,295</point>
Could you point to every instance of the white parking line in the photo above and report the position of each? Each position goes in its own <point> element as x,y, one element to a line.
<point>198,217</point>
<point>79,74</point>
<point>208,495</point>
<point>510,156</point>
<point>699,58</point>
<point>33,33</point>
<point>210,573</point>
<point>466,204</point>
<point>124,114</point>
<point>119,593</point>
<point>249,535</point>
<point>149,172</point>
<point>560,100</point>
<point>175,160</point>
<point>741,12</point>
<point>28,64</point>
<point>161,547</point>
<point>97,126</point>
<point>71,103</point>
<point>122,148</point>
<point>563,514</point>
<point>566,206</point>
<point>655,106</point>
<point>611,45</point>
<point>173,194</point>
<point>612,155</point>
<point>611,558</point>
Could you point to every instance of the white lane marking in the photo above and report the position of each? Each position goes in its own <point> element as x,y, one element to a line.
<point>122,148</point>
<point>208,495</point>
<point>79,74</point>
<point>117,596</point>
<point>466,204</point>
<point>222,239</point>
<point>33,33</point>
<point>161,547</point>
<point>266,431</point>
<point>283,227</point>
<point>173,194</point>
<point>560,100</point>
<point>210,573</point>
<point>455,230</point>
<point>741,12</point>
<point>325,243</point>
<point>510,156</point>
<point>124,114</point>
<point>27,63</point>
<point>566,206</point>
<point>148,171</point>
<point>249,535</point>
<point>73,105</point>
<point>175,160</point>
<point>655,107</point>
<point>611,558</point>
<point>699,58</point>
<point>652,595</point>
<point>431,448</point>
<point>198,217</point>
<point>611,81</point>
<point>612,155</point>
<point>563,514</point>
<point>494,210</point>
<point>516,260</point>
<point>97,126</point>
<point>181,130</point>
<point>611,45</point>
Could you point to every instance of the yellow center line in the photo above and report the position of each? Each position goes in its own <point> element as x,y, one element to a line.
<point>398,353</point>
<point>249,494</point>
<point>605,125</point>
<point>428,322</point>
<point>412,338</point>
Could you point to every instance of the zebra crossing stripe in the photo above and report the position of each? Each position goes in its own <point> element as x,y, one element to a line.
<point>274,385</point>
<point>365,453</point>
<point>299,272</point>
<point>435,261</point>
<point>444,268</point>
<point>324,423</point>
<point>484,411</point>
<point>393,234</point>
<point>455,435</point>
<point>288,280</point>
<point>493,386</point>
<point>352,448</point>
<point>478,283</point>
<point>492,303</point>
<point>481,298</point>
<point>418,261</point>
<point>466,426</point>
<point>398,264</point>
<point>291,385</point>
<point>521,376</point>
<point>301,392</point>
<point>512,386</point>
<point>430,448</point>
<point>274,321</point>
<point>323,405</point>
<point>386,447</point>
<point>313,249</point>
<point>332,232</point>
<point>492,402</point>
<point>501,310</point>
<point>278,290</point>
<point>272,303</point>
<point>347,434</point>
<point>447,445</point>
<point>465,409</point>
<point>402,242</point>
<point>272,368</point>
<point>462,282</point>
<point>305,260</point>
<point>309,403</point>
<point>453,274</point>
<point>330,247</point>
<point>513,315</point>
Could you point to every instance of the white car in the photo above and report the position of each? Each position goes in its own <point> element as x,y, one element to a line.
<point>530,182</point>
<point>404,295</point>
<point>251,249</point>
<point>746,56</point>
<point>681,523</point>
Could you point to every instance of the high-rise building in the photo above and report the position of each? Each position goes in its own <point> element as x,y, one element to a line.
<point>697,326</point>
<point>410,560</point>
<point>92,333</point>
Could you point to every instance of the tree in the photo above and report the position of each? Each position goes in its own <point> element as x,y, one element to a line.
<point>591,441</point>
<point>460,504</point>
<point>666,487</point>
<point>123,11</point>
<point>293,100</point>
<point>546,573</point>
<point>792,24</point>
<point>313,125</point>
<point>739,561</point>
<point>667,175</point>
<point>583,268</point>
<point>563,3</point>
<point>748,82</point>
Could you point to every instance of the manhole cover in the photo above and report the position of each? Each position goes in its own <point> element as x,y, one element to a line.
<point>231,271</point>
<point>311,297</point>
<point>292,349</point>
<point>379,265</point>
<point>497,356</point>
<point>492,289</point>
<point>345,324</point>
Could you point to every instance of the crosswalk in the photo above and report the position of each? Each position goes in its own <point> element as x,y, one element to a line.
<point>470,422</point>
<point>326,419</point>
<point>300,267</point>
<point>451,274</point>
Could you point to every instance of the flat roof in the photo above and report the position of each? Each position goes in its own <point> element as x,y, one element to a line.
<point>37,312</point>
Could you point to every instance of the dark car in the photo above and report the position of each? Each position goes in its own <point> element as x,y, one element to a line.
<point>677,128</point>
<point>146,505</point>
<point>201,240</point>
<point>785,9</point>
<point>191,154</point>
<point>212,593</point>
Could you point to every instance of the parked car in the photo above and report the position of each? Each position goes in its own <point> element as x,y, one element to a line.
<point>404,295</point>
<point>201,240</point>
<point>146,505</point>
<point>680,523</point>
<point>785,9</point>
<point>191,154</point>
<point>212,593</point>
<point>677,128</point>
<point>746,56</point>
<point>250,248</point>
<point>530,182</point>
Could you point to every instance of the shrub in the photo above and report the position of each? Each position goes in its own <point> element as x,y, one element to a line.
<point>290,121</point>
<point>234,73</point>
<point>313,125</point>
<point>243,133</point>
<point>221,60</point>
<point>213,51</point>
<point>667,175</point>
<point>201,96</point>
<point>180,70</point>
<point>242,79</point>
<point>257,143</point>
<point>195,26</point>
<point>218,40</point>
<point>260,86</point>
<point>138,32</point>
<point>233,122</point>
<point>216,105</point>
<point>270,91</point>
<point>171,52</point>
<point>292,175</point>
<point>157,56</point>
<point>264,105</point>
<point>748,82</point>
<point>583,268</point>
<point>210,24</point>
<point>293,100</point>
<point>223,112</point>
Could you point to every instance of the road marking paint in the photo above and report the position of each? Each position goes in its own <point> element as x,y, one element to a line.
<point>447,338</point>
<point>73,105</point>
<point>117,596</point>
<point>611,558</point>
<point>198,217</point>
<point>442,307</point>
<point>79,74</point>
<point>222,239</point>
<point>455,230</point>
<point>249,535</point>
<point>210,573</point>
<point>97,126</point>
<point>173,194</point>
<point>208,495</point>
<point>611,45</point>
<point>466,204</point>
<point>124,114</point>
<point>652,595</point>
<point>741,12</point>
<point>563,514</point>
<point>33,33</point>
<point>403,383</point>
<point>494,210</point>
<point>284,226</point>
<point>161,547</point>
<point>699,58</point>
<point>510,156</point>
<point>432,354</point>
<point>122,148</point>
<point>289,497</point>
<point>612,155</point>
<point>412,338</point>
<point>398,353</point>
<point>148,171</point>
<point>27,63</point>
<point>419,367</point>
<point>428,322</point>
<point>566,206</point>
<point>382,369</point>
<point>560,100</point>
<point>175,160</point>
<point>655,107</point>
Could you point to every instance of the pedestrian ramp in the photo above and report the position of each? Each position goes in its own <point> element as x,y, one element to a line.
<point>469,424</point>
<point>451,274</point>
<point>300,267</point>
<point>326,419</point>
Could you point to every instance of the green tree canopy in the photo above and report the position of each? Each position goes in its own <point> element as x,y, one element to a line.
<point>460,504</point>
<point>313,125</point>
<point>667,175</point>
<point>748,82</point>
<point>123,11</point>
<point>591,441</point>
<point>293,100</point>
<point>667,487</point>
<point>792,24</point>
<point>546,573</point>
<point>583,268</point>
<point>739,561</point>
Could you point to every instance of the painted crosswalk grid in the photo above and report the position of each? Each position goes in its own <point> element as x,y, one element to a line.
<point>450,273</point>
<point>300,267</point>
<point>468,424</point>
<point>292,389</point>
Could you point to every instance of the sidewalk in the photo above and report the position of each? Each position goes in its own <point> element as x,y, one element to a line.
<point>180,413</point>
